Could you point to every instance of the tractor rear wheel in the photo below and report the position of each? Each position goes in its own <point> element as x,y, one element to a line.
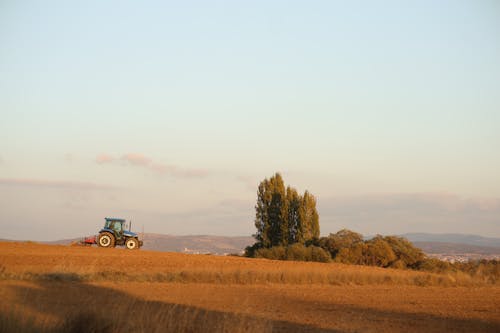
<point>132,244</point>
<point>106,239</point>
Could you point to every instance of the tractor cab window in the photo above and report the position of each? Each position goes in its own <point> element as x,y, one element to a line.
<point>113,225</point>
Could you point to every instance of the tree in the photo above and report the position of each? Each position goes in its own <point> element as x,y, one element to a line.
<point>271,212</point>
<point>294,205</point>
<point>308,218</point>
<point>379,253</point>
<point>352,255</point>
<point>262,216</point>
<point>407,254</point>
<point>278,211</point>
<point>283,217</point>
<point>343,239</point>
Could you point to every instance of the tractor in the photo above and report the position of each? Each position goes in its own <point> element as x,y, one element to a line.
<point>114,234</point>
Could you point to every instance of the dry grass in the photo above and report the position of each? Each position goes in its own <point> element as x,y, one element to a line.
<point>342,276</point>
<point>84,289</point>
<point>269,272</point>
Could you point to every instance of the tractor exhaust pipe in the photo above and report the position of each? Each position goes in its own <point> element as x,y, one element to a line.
<point>130,226</point>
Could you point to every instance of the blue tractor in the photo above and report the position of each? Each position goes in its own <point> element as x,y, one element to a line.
<point>114,234</point>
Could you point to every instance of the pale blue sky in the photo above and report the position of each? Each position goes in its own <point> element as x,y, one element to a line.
<point>170,113</point>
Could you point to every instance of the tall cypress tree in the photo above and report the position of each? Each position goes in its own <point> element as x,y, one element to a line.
<point>294,203</point>
<point>278,211</point>
<point>309,217</point>
<point>284,217</point>
<point>262,222</point>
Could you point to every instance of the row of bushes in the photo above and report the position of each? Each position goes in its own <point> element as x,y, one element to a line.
<point>349,247</point>
<point>297,252</point>
<point>384,251</point>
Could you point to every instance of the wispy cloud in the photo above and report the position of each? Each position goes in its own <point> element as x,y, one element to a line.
<point>137,159</point>
<point>140,160</point>
<point>61,184</point>
<point>180,172</point>
<point>104,158</point>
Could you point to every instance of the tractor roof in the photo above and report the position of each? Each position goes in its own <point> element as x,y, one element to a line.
<point>114,219</point>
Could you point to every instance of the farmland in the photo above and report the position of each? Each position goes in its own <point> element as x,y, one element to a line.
<point>62,288</point>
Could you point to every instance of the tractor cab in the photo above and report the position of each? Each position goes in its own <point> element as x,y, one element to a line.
<point>116,226</point>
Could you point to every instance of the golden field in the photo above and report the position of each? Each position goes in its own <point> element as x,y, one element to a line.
<point>48,288</point>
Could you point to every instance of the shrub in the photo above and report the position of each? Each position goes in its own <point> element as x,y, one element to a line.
<point>296,252</point>
<point>275,253</point>
<point>319,255</point>
<point>390,251</point>
<point>434,265</point>
<point>398,264</point>
<point>352,255</point>
<point>406,253</point>
<point>334,243</point>
<point>250,250</point>
<point>379,253</point>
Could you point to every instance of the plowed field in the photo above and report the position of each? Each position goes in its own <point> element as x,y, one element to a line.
<point>45,288</point>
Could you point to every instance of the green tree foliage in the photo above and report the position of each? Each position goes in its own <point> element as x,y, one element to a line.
<point>271,212</point>
<point>283,217</point>
<point>262,216</point>
<point>308,222</point>
<point>295,234</point>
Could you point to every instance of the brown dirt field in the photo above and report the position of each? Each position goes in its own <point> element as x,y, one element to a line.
<point>199,293</point>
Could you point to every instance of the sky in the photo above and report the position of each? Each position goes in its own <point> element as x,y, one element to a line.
<point>170,113</point>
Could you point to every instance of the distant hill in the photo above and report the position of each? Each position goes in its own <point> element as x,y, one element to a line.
<point>456,248</point>
<point>187,244</point>
<point>453,238</point>
<point>197,244</point>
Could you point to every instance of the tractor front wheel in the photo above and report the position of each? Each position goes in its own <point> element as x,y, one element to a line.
<point>132,244</point>
<point>106,239</point>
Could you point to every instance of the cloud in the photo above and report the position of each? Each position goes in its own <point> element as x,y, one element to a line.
<point>104,158</point>
<point>139,160</point>
<point>60,184</point>
<point>408,212</point>
<point>179,172</point>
